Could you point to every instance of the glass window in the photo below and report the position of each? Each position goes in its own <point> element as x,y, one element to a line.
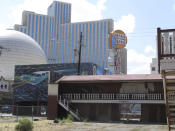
<point>170,45</point>
<point>1,86</point>
<point>153,69</point>
<point>5,86</point>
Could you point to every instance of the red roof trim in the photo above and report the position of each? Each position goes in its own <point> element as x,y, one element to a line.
<point>129,77</point>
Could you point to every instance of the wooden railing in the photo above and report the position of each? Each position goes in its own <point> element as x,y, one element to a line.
<point>92,96</point>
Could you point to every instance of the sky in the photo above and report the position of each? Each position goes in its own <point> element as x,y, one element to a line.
<point>139,19</point>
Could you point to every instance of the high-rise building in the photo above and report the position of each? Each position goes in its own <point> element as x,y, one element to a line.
<point>60,38</point>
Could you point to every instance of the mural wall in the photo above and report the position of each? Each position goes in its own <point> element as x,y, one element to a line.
<point>31,81</point>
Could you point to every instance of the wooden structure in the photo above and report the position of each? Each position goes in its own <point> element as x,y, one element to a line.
<point>166,49</point>
<point>166,66</point>
<point>169,91</point>
<point>104,94</point>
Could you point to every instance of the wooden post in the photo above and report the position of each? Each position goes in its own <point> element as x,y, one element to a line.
<point>52,106</point>
<point>165,97</point>
<point>13,108</point>
<point>38,108</point>
<point>159,47</point>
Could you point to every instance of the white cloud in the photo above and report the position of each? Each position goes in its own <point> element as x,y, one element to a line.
<point>38,6</point>
<point>3,27</point>
<point>126,23</point>
<point>141,69</point>
<point>82,10</point>
<point>149,49</point>
<point>101,4</point>
<point>174,6</point>
<point>138,63</point>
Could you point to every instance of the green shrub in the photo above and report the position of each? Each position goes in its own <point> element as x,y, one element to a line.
<point>85,120</point>
<point>70,117</point>
<point>24,125</point>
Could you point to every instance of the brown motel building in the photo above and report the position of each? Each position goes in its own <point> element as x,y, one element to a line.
<point>99,98</point>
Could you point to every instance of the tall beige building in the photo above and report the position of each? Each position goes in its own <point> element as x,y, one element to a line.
<point>154,66</point>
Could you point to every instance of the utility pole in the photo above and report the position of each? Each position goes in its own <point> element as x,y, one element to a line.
<point>79,56</point>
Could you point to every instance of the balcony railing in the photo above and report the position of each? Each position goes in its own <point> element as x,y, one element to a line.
<point>92,96</point>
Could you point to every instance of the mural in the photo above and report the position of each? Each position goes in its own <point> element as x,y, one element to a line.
<point>31,81</point>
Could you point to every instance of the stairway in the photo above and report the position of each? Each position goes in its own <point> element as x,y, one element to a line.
<point>67,106</point>
<point>169,94</point>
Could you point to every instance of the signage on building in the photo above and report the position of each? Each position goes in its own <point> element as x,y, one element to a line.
<point>118,39</point>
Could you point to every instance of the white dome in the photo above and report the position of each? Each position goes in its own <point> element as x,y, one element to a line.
<point>16,48</point>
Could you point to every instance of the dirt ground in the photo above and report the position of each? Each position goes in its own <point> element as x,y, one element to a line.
<point>46,125</point>
<point>114,127</point>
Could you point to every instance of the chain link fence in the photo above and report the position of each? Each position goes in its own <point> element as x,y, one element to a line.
<point>15,113</point>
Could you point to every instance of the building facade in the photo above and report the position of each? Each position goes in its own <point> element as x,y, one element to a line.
<point>6,91</point>
<point>106,94</point>
<point>31,81</point>
<point>60,38</point>
<point>16,48</point>
<point>154,66</point>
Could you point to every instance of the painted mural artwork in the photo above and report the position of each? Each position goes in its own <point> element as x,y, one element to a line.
<point>31,81</point>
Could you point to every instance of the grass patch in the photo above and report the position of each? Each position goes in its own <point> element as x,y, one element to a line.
<point>69,119</point>
<point>24,125</point>
<point>86,120</point>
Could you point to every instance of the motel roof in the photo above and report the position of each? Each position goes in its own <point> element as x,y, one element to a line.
<point>111,78</point>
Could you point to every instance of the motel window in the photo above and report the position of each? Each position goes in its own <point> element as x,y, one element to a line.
<point>171,45</point>
<point>1,86</point>
<point>5,86</point>
<point>153,68</point>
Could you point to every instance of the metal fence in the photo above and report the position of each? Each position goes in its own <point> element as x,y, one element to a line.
<point>15,113</point>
